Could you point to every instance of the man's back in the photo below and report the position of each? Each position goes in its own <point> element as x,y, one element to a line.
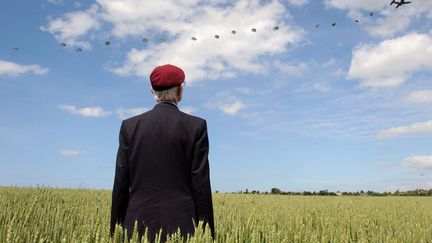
<point>162,160</point>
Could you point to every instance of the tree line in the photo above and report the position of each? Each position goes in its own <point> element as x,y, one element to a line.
<point>325,192</point>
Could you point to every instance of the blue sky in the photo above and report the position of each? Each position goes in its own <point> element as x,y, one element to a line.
<point>344,107</point>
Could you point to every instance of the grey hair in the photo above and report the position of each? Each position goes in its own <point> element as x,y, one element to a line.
<point>168,94</point>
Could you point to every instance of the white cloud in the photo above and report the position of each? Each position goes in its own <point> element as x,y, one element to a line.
<point>291,69</point>
<point>73,27</point>
<point>385,27</point>
<point>14,69</point>
<point>231,108</point>
<point>418,162</point>
<point>227,102</point>
<point>421,127</point>
<point>124,113</point>
<point>388,21</point>
<point>340,72</point>
<point>70,153</point>
<point>222,60</point>
<point>390,63</point>
<point>420,96</point>
<point>331,62</point>
<point>177,22</point>
<point>370,5</point>
<point>56,1</point>
<point>314,86</point>
<point>96,111</point>
<point>128,16</point>
<point>244,90</point>
<point>77,4</point>
<point>298,3</point>
<point>86,111</point>
<point>188,109</point>
<point>321,87</point>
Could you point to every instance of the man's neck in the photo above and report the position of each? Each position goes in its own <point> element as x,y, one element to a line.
<point>167,101</point>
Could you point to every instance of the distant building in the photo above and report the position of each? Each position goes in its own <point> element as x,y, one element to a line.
<point>338,193</point>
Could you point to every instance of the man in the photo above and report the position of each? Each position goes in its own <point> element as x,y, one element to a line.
<point>162,177</point>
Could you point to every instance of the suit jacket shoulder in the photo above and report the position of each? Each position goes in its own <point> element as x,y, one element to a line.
<point>195,119</point>
<point>132,122</point>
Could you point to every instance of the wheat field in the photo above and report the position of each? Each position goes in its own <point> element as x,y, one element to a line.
<point>82,215</point>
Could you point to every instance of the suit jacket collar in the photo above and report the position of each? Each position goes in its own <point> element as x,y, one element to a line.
<point>165,104</point>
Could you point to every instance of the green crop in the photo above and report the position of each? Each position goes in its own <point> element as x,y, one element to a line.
<point>82,215</point>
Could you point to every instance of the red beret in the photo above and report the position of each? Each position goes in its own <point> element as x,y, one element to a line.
<point>166,76</point>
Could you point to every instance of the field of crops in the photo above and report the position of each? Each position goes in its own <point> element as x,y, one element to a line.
<point>82,215</point>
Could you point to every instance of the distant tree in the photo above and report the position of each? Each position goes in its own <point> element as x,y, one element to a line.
<point>323,192</point>
<point>275,191</point>
<point>410,193</point>
<point>247,191</point>
<point>217,191</point>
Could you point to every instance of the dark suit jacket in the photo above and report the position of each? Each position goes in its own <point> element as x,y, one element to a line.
<point>162,175</point>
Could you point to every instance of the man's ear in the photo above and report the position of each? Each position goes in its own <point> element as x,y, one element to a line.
<point>179,93</point>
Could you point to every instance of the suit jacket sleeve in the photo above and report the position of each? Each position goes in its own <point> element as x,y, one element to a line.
<point>201,179</point>
<point>120,193</point>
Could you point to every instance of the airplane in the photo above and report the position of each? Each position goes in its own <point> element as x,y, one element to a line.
<point>400,3</point>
